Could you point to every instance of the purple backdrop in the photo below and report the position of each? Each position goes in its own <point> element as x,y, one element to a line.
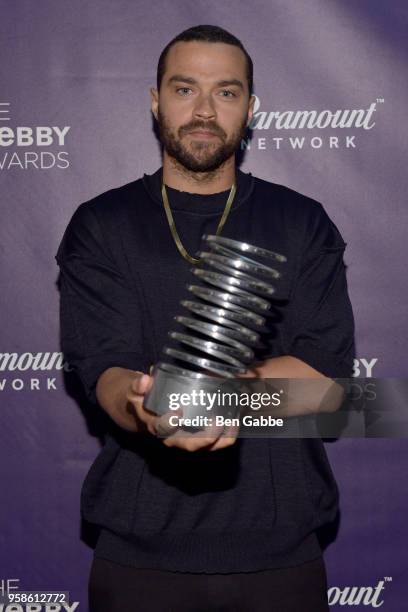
<point>75,120</point>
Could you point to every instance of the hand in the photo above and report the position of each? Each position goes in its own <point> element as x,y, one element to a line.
<point>149,420</point>
<point>226,436</point>
<point>217,438</point>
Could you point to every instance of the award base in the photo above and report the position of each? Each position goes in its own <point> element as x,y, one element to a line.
<point>170,383</point>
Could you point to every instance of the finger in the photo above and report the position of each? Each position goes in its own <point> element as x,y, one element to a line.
<point>194,441</point>
<point>142,384</point>
<point>143,413</point>
<point>189,443</point>
<point>250,373</point>
<point>227,439</point>
<point>162,426</point>
<point>138,388</point>
<point>145,416</point>
<point>136,396</point>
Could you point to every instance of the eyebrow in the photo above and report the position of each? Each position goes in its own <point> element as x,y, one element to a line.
<point>180,78</point>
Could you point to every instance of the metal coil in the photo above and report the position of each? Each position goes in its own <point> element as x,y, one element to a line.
<point>228,321</point>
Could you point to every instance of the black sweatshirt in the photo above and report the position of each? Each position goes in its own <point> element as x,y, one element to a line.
<point>253,505</point>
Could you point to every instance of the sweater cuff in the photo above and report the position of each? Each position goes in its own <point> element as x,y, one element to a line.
<point>91,368</point>
<point>323,361</point>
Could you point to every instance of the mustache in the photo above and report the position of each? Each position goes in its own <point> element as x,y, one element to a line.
<point>210,127</point>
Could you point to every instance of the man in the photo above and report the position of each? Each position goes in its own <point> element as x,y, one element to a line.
<point>200,522</point>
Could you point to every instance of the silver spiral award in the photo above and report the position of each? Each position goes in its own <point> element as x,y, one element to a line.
<point>220,334</point>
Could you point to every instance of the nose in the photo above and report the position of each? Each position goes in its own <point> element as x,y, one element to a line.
<point>204,108</point>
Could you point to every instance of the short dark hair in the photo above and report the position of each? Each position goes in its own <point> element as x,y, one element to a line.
<point>206,33</point>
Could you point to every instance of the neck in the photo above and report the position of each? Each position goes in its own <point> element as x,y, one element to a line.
<point>178,177</point>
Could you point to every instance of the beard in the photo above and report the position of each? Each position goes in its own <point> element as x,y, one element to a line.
<point>200,155</point>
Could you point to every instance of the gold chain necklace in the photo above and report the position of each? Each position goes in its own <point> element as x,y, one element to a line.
<point>172,225</point>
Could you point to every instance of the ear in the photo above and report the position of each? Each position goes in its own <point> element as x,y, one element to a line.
<point>154,94</point>
<point>250,109</point>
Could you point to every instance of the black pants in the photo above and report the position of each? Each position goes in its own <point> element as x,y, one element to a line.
<point>116,588</point>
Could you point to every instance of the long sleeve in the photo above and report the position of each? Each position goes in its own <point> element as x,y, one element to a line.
<point>100,322</point>
<point>319,324</point>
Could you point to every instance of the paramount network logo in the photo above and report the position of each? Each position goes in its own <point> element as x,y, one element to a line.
<point>370,596</point>
<point>25,368</point>
<point>24,147</point>
<point>310,120</point>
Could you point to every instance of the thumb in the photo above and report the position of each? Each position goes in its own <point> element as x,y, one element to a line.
<point>141,384</point>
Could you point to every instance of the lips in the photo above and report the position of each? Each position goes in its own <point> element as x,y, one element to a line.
<point>204,133</point>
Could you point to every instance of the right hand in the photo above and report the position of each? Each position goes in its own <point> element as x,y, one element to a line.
<point>174,435</point>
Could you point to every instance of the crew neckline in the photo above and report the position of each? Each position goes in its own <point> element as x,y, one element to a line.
<point>199,203</point>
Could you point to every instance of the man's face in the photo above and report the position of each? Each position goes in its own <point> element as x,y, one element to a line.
<point>204,104</point>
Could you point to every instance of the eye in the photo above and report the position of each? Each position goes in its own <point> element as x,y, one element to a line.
<point>228,91</point>
<point>183,89</point>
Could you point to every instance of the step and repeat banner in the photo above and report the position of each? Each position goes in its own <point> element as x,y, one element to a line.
<point>75,120</point>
